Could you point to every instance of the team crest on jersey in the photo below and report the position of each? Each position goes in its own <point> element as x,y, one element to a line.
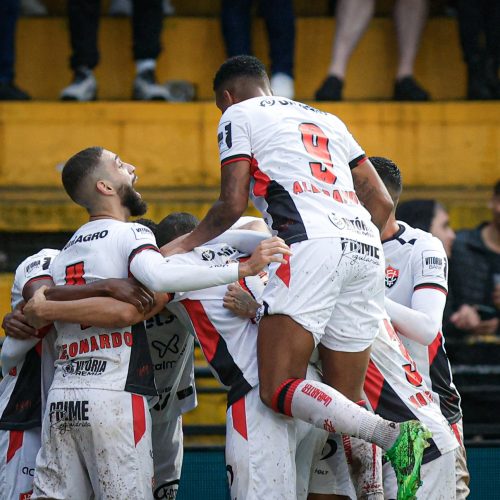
<point>208,255</point>
<point>391,276</point>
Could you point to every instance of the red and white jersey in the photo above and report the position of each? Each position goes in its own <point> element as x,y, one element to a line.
<point>100,358</point>
<point>415,260</point>
<point>395,389</point>
<point>300,163</point>
<point>229,343</point>
<point>21,387</point>
<point>171,347</point>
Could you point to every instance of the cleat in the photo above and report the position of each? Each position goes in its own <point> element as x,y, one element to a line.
<point>406,456</point>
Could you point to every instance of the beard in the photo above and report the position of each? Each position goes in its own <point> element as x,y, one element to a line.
<point>132,201</point>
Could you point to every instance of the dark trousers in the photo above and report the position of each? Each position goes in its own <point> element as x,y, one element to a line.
<point>9,12</point>
<point>478,19</point>
<point>147,21</point>
<point>280,23</point>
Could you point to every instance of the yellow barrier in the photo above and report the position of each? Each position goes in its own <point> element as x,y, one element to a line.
<point>193,50</point>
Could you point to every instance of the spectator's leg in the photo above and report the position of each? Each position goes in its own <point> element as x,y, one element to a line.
<point>235,20</point>
<point>352,18</point>
<point>410,17</point>
<point>147,24</point>
<point>9,13</point>
<point>83,18</point>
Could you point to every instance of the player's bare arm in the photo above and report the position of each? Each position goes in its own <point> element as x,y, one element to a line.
<point>16,325</point>
<point>104,312</point>
<point>240,302</point>
<point>232,202</point>
<point>372,193</point>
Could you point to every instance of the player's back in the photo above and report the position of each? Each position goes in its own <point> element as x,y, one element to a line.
<point>93,357</point>
<point>301,160</point>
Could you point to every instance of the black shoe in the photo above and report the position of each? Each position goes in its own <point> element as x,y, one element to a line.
<point>146,88</point>
<point>9,92</point>
<point>407,89</point>
<point>330,90</point>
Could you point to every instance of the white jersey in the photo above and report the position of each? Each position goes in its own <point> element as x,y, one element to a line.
<point>300,164</point>
<point>396,391</point>
<point>416,260</point>
<point>100,358</point>
<point>21,387</point>
<point>171,349</point>
<point>229,343</point>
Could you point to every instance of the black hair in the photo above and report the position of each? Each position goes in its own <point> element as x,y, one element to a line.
<point>174,225</point>
<point>148,223</point>
<point>79,167</point>
<point>390,174</point>
<point>418,213</point>
<point>237,66</point>
<point>496,189</point>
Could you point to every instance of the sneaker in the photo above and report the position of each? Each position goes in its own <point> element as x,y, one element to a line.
<point>406,456</point>
<point>282,85</point>
<point>180,91</point>
<point>120,8</point>
<point>168,8</point>
<point>407,89</point>
<point>9,92</point>
<point>33,8</point>
<point>330,90</point>
<point>146,88</point>
<point>82,88</point>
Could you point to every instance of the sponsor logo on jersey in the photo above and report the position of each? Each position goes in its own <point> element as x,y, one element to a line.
<point>96,343</point>
<point>208,255</point>
<point>167,491</point>
<point>142,232</point>
<point>84,238</point>
<point>287,102</point>
<point>26,496</point>
<point>159,320</point>
<point>172,346</point>
<point>74,412</point>
<point>391,276</point>
<point>433,263</point>
<point>353,246</point>
<point>28,471</point>
<point>85,367</point>
<point>355,225</point>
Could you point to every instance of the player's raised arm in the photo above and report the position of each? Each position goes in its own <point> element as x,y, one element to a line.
<point>372,193</point>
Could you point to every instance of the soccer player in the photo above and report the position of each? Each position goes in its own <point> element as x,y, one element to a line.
<point>416,288</point>
<point>316,189</point>
<point>98,369</point>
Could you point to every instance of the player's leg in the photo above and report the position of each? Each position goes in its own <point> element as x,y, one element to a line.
<point>60,474</point>
<point>260,451</point>
<point>461,471</point>
<point>167,457</point>
<point>116,444</point>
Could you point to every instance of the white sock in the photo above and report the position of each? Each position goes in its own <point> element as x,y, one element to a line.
<point>142,65</point>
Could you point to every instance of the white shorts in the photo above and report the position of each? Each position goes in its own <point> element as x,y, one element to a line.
<point>268,455</point>
<point>18,451</point>
<point>438,479</point>
<point>167,457</point>
<point>94,443</point>
<point>334,288</point>
<point>461,471</point>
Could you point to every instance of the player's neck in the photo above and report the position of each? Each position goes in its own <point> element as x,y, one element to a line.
<point>121,214</point>
<point>390,229</point>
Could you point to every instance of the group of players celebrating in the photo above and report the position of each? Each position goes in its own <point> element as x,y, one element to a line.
<point>327,337</point>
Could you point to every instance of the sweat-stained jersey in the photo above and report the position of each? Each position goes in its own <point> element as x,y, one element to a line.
<point>229,343</point>
<point>300,164</point>
<point>171,350</point>
<point>396,391</point>
<point>21,387</point>
<point>415,260</point>
<point>100,358</point>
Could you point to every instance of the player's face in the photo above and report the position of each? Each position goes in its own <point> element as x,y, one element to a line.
<point>495,210</point>
<point>440,228</point>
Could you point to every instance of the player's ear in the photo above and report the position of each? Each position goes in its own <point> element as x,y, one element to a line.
<point>228,98</point>
<point>104,187</point>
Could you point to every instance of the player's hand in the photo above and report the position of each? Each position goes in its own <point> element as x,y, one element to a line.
<point>240,302</point>
<point>466,318</point>
<point>16,326</point>
<point>131,291</point>
<point>271,250</point>
<point>33,310</point>
<point>175,246</point>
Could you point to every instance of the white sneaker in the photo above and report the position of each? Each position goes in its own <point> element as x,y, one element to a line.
<point>82,88</point>
<point>146,88</point>
<point>282,85</point>
<point>33,8</point>
<point>120,8</point>
<point>180,90</point>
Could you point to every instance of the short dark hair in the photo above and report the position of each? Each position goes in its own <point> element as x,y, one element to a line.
<point>496,189</point>
<point>174,225</point>
<point>148,223</point>
<point>237,66</point>
<point>418,213</point>
<point>77,168</point>
<point>390,174</point>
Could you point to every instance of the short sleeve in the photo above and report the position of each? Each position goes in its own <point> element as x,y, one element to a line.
<point>356,152</point>
<point>134,239</point>
<point>429,265</point>
<point>233,136</point>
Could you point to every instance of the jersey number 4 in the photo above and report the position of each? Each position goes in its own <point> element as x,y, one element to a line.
<point>316,143</point>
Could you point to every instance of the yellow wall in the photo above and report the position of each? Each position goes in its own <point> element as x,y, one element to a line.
<point>193,50</point>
